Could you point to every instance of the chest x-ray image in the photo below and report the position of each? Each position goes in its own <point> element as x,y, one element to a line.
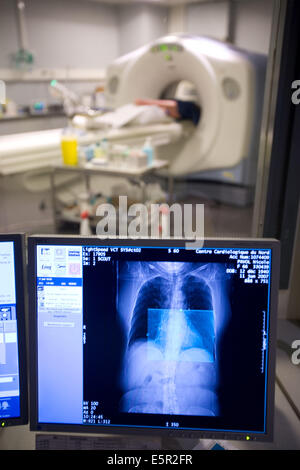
<point>173,314</point>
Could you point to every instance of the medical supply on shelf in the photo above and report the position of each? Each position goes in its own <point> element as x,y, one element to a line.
<point>148,150</point>
<point>118,156</point>
<point>98,151</point>
<point>99,101</point>
<point>100,161</point>
<point>88,152</point>
<point>69,147</point>
<point>84,207</point>
<point>11,108</point>
<point>137,159</point>
<point>101,149</point>
<point>105,145</point>
<point>38,107</point>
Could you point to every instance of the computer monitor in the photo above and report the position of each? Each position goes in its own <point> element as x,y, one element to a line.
<point>13,372</point>
<point>148,336</point>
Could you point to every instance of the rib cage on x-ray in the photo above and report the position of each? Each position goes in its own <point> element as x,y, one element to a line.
<point>169,362</point>
<point>171,295</point>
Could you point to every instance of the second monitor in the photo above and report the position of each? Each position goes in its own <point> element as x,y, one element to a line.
<point>13,372</point>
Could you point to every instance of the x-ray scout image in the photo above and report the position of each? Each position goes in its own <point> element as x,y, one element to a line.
<point>175,341</point>
<point>173,315</point>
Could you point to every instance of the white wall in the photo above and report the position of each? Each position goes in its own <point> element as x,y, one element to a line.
<point>140,24</point>
<point>85,34</point>
<point>177,19</point>
<point>208,19</point>
<point>8,32</point>
<point>74,34</point>
<point>62,33</point>
<point>253,24</point>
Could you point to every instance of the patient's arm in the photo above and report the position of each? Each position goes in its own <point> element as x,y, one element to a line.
<point>169,106</point>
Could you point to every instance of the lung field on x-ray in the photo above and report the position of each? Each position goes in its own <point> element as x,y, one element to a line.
<point>174,331</point>
<point>169,362</point>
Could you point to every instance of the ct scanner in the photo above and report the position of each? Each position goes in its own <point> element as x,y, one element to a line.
<point>229,87</point>
<point>229,84</point>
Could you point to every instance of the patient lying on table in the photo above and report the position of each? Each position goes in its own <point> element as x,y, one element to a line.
<point>142,112</point>
<point>177,109</point>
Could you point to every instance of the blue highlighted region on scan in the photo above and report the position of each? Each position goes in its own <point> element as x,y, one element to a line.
<point>182,335</point>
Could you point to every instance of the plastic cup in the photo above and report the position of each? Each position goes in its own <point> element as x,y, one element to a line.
<point>69,150</point>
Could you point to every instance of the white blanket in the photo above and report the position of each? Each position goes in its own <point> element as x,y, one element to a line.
<point>129,114</point>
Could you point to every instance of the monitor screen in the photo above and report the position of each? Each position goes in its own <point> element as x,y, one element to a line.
<point>13,380</point>
<point>149,336</point>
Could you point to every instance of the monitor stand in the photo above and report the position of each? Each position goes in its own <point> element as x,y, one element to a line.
<point>45,441</point>
<point>173,443</point>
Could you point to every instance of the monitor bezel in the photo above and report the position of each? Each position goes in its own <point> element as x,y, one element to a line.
<point>272,244</point>
<point>20,281</point>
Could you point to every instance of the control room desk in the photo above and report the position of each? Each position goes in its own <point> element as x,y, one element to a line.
<point>86,171</point>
